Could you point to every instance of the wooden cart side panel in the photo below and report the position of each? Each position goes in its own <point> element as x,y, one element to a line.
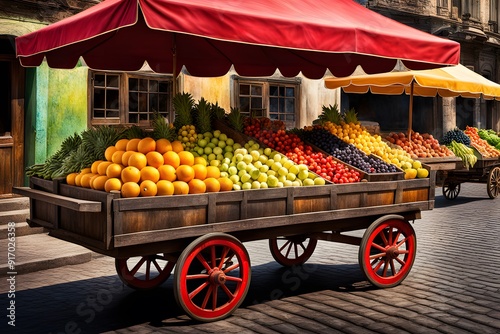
<point>91,225</point>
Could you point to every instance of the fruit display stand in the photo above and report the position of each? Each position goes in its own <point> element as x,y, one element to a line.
<point>485,170</point>
<point>202,235</point>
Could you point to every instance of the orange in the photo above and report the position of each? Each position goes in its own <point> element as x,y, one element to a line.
<point>126,156</point>
<point>200,171</point>
<point>212,185</point>
<point>138,160</point>
<point>99,181</point>
<point>113,184</point>
<point>86,170</point>
<point>177,146</point>
<point>109,152</point>
<point>93,168</point>
<point>226,184</point>
<point>85,180</point>
<point>148,188</point>
<point>121,145</point>
<point>101,169</point>
<point>155,159</point>
<point>150,173</point>
<point>186,158</point>
<point>146,145</point>
<point>164,188</point>
<point>180,188</point>
<point>114,170</point>
<point>92,180</point>
<point>163,145</point>
<point>130,189</point>
<point>184,173</point>
<point>70,178</point>
<point>197,186</point>
<point>200,160</point>
<point>117,157</point>
<point>171,158</point>
<point>167,172</point>
<point>132,144</point>
<point>131,174</point>
<point>213,171</point>
<point>78,180</point>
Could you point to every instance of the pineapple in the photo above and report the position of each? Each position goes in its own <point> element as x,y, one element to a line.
<point>329,114</point>
<point>351,116</point>
<point>235,119</point>
<point>217,111</point>
<point>183,107</point>
<point>203,116</point>
<point>162,129</point>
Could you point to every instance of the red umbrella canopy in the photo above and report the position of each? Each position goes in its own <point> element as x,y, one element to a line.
<point>257,37</point>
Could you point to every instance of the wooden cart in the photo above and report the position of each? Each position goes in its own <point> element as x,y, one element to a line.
<point>485,170</point>
<point>202,235</point>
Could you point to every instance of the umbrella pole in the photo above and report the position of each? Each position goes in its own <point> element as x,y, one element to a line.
<point>410,116</point>
<point>174,67</point>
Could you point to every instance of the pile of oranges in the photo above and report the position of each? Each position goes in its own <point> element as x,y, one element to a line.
<point>148,167</point>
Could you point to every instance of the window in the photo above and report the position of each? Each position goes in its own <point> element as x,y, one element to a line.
<point>122,98</point>
<point>469,9</point>
<point>493,21</point>
<point>274,99</point>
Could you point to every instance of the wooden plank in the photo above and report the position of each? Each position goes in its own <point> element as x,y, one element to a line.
<point>261,223</point>
<point>63,201</point>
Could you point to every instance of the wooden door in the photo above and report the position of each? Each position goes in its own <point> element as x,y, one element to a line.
<point>11,118</point>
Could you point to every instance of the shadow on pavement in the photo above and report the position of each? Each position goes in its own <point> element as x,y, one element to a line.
<point>105,304</point>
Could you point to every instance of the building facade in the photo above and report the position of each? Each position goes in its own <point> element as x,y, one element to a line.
<point>472,23</point>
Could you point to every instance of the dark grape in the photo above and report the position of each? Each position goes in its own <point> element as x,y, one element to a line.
<point>455,135</point>
<point>345,152</point>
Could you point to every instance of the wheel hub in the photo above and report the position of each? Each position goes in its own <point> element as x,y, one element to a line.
<point>217,277</point>
<point>392,252</point>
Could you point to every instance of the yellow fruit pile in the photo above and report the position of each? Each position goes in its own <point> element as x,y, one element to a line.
<point>145,167</point>
<point>356,134</point>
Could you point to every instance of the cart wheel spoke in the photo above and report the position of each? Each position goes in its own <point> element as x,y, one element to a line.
<point>387,251</point>
<point>451,190</point>
<point>144,272</point>
<point>212,277</point>
<point>493,184</point>
<point>293,250</point>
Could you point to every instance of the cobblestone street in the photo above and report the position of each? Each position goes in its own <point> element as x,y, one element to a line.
<point>454,287</point>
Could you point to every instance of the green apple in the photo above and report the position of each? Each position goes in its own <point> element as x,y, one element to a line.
<point>207,150</point>
<point>217,133</point>
<point>232,170</point>
<point>236,186</point>
<point>263,158</point>
<point>277,157</point>
<point>224,174</point>
<point>271,172</point>
<point>417,164</point>
<point>269,162</point>
<point>262,177</point>
<point>247,158</point>
<point>215,163</point>
<point>263,185</point>
<point>280,185</point>
<point>211,157</point>
<point>276,166</point>
<point>235,178</point>
<point>257,164</point>
<point>288,183</point>
<point>319,181</point>
<point>308,182</point>
<point>217,150</point>
<point>272,181</point>
<point>287,164</point>
<point>303,174</point>
<point>224,167</point>
<point>291,176</point>
<point>245,178</point>
<point>255,174</point>
<point>282,171</point>
<point>228,155</point>
<point>264,168</point>
<point>242,172</point>
<point>202,142</point>
<point>296,183</point>
<point>268,151</point>
<point>255,155</point>
<point>255,185</point>
<point>294,169</point>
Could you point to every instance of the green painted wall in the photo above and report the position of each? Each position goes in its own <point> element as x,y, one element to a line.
<point>56,107</point>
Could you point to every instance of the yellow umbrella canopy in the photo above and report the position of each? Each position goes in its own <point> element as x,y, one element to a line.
<point>449,81</point>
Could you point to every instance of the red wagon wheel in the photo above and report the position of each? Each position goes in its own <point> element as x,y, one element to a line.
<point>493,186</point>
<point>387,251</point>
<point>144,272</point>
<point>451,190</point>
<point>292,250</point>
<point>212,277</point>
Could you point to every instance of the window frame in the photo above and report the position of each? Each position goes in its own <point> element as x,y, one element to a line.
<point>266,98</point>
<point>123,118</point>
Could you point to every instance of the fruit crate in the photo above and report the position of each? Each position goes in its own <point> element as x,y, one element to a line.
<point>371,177</point>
